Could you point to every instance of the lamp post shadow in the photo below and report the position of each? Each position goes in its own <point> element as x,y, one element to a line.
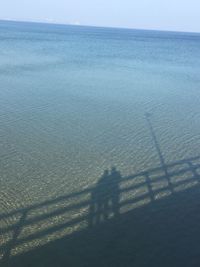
<point>105,198</point>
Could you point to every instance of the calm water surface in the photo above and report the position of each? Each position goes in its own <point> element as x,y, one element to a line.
<point>72,104</point>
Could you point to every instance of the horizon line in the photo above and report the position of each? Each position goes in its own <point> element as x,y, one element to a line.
<point>94,26</point>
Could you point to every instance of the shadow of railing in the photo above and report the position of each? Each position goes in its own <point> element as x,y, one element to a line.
<point>27,228</point>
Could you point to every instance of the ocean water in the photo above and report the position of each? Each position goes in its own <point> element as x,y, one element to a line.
<point>76,101</point>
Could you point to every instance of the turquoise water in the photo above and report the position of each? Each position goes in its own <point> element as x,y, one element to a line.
<point>72,104</point>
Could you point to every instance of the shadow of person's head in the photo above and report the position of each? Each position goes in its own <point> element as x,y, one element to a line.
<point>115,175</point>
<point>106,173</point>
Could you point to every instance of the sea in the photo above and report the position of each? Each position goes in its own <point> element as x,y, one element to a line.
<point>79,107</point>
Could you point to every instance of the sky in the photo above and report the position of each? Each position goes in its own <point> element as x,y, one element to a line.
<point>173,15</point>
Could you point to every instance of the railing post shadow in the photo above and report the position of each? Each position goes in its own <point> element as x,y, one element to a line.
<point>12,243</point>
<point>150,190</point>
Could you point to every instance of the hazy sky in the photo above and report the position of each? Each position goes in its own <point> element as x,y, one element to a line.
<point>178,15</point>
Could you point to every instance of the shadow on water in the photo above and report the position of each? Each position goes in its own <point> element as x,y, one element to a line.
<point>105,198</point>
<point>150,218</point>
<point>158,149</point>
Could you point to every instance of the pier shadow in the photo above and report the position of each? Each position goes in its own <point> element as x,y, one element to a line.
<point>15,234</point>
<point>134,220</point>
<point>164,233</point>
<point>150,218</point>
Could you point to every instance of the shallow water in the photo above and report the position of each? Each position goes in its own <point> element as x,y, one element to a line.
<point>72,104</point>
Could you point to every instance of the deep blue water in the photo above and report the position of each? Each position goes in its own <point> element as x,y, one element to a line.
<point>72,104</point>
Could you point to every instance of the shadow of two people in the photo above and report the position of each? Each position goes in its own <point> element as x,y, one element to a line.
<point>105,198</point>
